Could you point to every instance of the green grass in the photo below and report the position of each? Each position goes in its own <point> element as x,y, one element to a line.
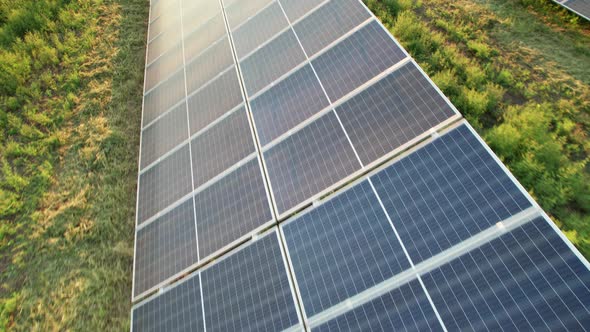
<point>518,71</point>
<point>70,103</point>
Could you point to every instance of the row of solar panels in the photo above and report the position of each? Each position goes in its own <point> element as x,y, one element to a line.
<point>242,129</point>
<point>580,7</point>
<point>442,238</point>
<point>320,121</point>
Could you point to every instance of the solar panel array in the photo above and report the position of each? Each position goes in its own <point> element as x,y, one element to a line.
<point>299,171</point>
<point>580,7</point>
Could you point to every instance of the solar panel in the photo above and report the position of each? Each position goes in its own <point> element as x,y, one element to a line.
<point>214,99</point>
<point>394,111</point>
<point>177,309</point>
<point>366,53</point>
<point>287,104</point>
<point>447,192</point>
<point>328,23</point>
<point>309,161</point>
<point>163,135</point>
<point>164,183</point>
<point>342,248</point>
<point>266,172</point>
<point>231,207</point>
<point>271,62</point>
<point>249,290</point>
<point>221,146</point>
<point>528,279</point>
<point>259,29</point>
<point>165,247</point>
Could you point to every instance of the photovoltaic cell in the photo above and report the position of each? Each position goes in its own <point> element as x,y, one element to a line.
<point>163,97</point>
<point>445,193</point>
<point>163,67</point>
<point>287,104</point>
<point>328,23</point>
<point>221,146</point>
<point>164,22</point>
<point>239,11</point>
<point>392,112</point>
<point>203,37</point>
<point>259,29</point>
<point>356,60</point>
<point>165,247</point>
<point>309,161</point>
<point>295,9</point>
<point>271,62</point>
<point>249,290</point>
<point>528,279</point>
<point>231,207</point>
<point>163,135</point>
<point>342,248</point>
<point>164,184</point>
<point>178,309</point>
<point>403,309</point>
<point>162,7</point>
<point>214,100</point>
<point>208,65</point>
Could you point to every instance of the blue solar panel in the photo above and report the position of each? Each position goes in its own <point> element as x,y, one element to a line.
<point>249,290</point>
<point>403,309</point>
<point>342,248</point>
<point>528,279</point>
<point>178,309</point>
<point>446,192</point>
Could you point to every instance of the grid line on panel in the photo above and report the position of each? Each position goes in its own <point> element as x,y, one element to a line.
<point>164,183</point>
<point>342,248</point>
<point>392,112</point>
<point>259,29</point>
<point>215,99</point>
<point>249,290</point>
<point>328,23</point>
<point>309,161</point>
<point>231,207</point>
<point>177,309</point>
<point>165,247</point>
<point>162,136</point>
<point>163,23</point>
<point>221,146</point>
<point>287,104</point>
<point>446,192</point>
<point>161,44</point>
<point>527,279</point>
<point>403,309</point>
<point>366,53</point>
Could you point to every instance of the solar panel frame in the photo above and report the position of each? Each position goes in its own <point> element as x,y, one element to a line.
<point>579,7</point>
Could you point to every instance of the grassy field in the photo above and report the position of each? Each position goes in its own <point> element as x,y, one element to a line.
<point>70,97</point>
<point>70,101</point>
